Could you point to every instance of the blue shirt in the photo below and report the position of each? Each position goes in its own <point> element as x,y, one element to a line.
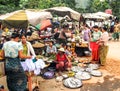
<point>52,49</point>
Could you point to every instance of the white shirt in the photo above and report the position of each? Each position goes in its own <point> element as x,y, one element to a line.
<point>104,37</point>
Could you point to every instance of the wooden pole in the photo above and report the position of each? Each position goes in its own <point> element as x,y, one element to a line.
<point>30,83</point>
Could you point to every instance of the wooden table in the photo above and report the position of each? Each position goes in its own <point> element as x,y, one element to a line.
<point>81,48</point>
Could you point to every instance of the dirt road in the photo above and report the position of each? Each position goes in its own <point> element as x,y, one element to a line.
<point>110,81</point>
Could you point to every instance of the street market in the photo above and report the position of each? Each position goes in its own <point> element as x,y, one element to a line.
<point>58,45</point>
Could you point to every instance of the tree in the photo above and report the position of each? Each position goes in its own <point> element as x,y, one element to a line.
<point>8,6</point>
<point>97,5</point>
<point>115,5</point>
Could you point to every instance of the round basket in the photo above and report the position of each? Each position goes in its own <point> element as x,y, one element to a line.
<point>96,73</point>
<point>38,45</point>
<point>72,83</point>
<point>83,76</point>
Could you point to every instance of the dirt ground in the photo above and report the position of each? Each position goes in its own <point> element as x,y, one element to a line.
<point>110,81</point>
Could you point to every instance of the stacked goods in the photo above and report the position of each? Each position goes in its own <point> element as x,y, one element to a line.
<point>84,45</point>
<point>0,56</point>
<point>72,82</point>
<point>80,73</point>
<point>38,45</point>
<point>83,75</point>
<point>34,36</point>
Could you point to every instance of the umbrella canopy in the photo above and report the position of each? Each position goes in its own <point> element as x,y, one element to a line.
<point>63,11</point>
<point>21,18</point>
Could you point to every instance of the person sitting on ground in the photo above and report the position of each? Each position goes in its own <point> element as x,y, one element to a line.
<point>62,60</point>
<point>51,49</point>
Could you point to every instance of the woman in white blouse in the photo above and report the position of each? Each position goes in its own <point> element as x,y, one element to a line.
<point>103,49</point>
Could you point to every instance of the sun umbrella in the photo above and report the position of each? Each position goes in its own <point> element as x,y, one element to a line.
<point>21,18</point>
<point>43,24</point>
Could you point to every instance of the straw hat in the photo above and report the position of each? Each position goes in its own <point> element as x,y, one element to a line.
<point>61,49</point>
<point>3,34</point>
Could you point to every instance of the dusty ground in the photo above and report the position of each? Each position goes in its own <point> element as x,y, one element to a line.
<point>110,81</point>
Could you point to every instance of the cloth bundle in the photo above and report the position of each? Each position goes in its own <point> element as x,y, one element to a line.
<point>30,65</point>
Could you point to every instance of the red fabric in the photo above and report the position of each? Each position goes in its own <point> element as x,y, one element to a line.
<point>62,62</point>
<point>94,46</point>
<point>61,58</point>
<point>62,65</point>
<point>45,24</point>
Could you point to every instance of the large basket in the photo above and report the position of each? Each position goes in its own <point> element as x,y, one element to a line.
<point>38,45</point>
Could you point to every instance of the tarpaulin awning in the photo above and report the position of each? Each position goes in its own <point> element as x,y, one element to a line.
<point>63,11</point>
<point>92,16</point>
<point>43,24</point>
<point>102,14</point>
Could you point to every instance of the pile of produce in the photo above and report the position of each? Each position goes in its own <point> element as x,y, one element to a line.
<point>38,45</point>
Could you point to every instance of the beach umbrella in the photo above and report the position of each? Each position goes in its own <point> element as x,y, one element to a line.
<point>43,24</point>
<point>21,18</point>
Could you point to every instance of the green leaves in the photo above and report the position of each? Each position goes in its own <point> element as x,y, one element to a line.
<point>7,6</point>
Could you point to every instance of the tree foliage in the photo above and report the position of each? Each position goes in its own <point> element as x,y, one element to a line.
<point>115,5</point>
<point>97,5</point>
<point>94,5</point>
<point>8,6</point>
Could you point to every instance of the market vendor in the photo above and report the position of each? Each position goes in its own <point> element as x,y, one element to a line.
<point>51,49</point>
<point>33,64</point>
<point>27,47</point>
<point>64,34</point>
<point>63,62</point>
<point>94,45</point>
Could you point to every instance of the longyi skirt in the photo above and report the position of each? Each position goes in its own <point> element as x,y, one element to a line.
<point>16,78</point>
